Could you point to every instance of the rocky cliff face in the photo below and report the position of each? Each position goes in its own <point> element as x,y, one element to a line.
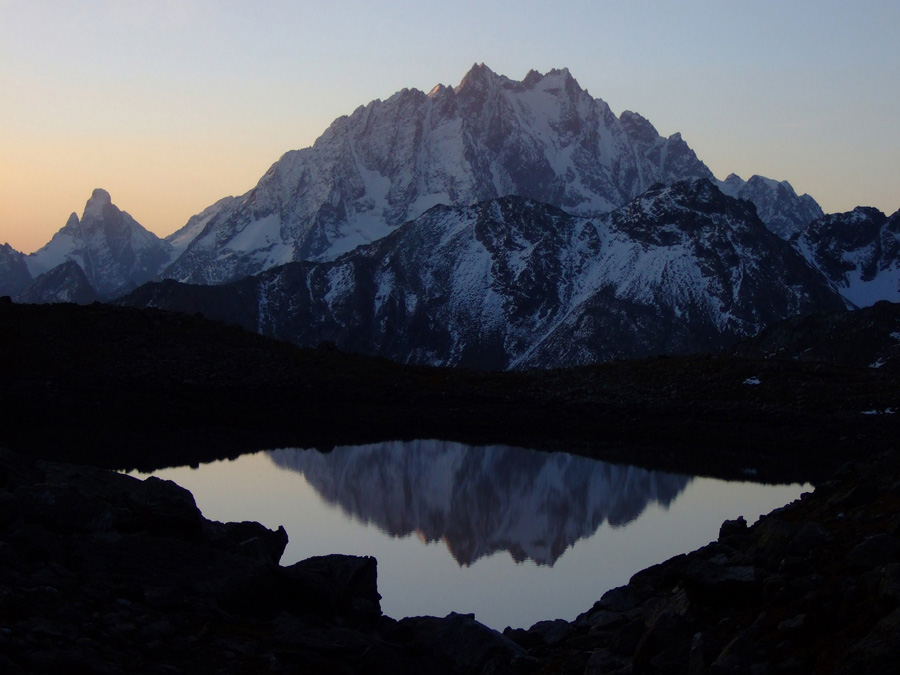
<point>858,251</point>
<point>512,283</point>
<point>115,252</point>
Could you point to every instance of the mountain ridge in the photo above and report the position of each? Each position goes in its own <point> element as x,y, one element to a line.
<point>544,138</point>
<point>513,283</point>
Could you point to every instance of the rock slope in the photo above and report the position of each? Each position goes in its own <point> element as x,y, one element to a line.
<point>862,338</point>
<point>131,388</point>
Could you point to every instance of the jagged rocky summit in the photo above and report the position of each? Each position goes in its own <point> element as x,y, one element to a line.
<point>779,207</point>
<point>544,138</point>
<point>513,283</point>
<point>113,252</point>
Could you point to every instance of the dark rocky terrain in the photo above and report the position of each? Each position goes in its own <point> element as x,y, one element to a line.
<point>103,573</point>
<point>862,338</point>
<point>127,388</point>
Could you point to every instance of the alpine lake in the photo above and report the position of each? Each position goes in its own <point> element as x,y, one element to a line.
<point>513,535</point>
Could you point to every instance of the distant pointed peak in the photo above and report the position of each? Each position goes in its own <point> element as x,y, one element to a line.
<point>101,195</point>
<point>479,75</point>
<point>480,69</point>
<point>532,78</point>
<point>72,221</point>
<point>439,90</point>
<point>99,199</point>
<point>561,72</point>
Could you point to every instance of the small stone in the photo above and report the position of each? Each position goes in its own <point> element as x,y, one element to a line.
<point>792,624</point>
<point>732,527</point>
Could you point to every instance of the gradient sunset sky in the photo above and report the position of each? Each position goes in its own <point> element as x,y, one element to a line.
<point>171,105</point>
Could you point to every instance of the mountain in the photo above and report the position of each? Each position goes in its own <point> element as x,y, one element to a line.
<point>513,283</point>
<point>14,274</point>
<point>66,282</point>
<point>544,138</point>
<point>858,251</point>
<point>778,206</point>
<point>534,505</point>
<point>115,252</point>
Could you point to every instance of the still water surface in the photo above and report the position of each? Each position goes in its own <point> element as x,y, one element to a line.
<point>515,536</point>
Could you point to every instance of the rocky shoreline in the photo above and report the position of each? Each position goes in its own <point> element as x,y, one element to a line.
<point>104,573</point>
<point>100,572</point>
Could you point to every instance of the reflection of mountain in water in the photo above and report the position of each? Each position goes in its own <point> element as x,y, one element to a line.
<point>482,500</point>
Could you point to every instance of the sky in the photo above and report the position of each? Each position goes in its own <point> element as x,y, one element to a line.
<point>171,105</point>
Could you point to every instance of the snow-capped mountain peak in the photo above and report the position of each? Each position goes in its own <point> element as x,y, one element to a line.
<point>93,209</point>
<point>113,250</point>
<point>544,138</point>
<point>780,208</point>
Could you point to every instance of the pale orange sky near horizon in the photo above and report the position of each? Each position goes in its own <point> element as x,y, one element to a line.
<point>171,106</point>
